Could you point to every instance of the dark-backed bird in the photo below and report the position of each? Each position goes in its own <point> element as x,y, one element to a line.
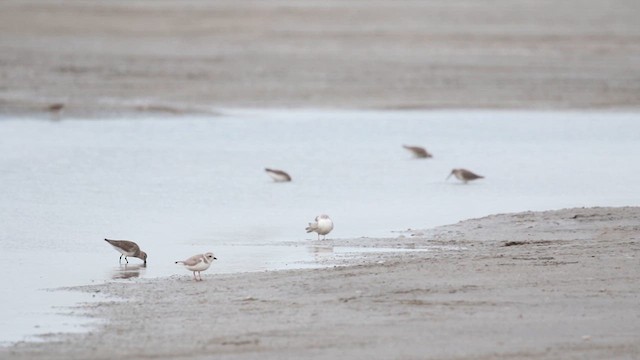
<point>418,152</point>
<point>127,248</point>
<point>56,107</point>
<point>278,175</point>
<point>464,175</point>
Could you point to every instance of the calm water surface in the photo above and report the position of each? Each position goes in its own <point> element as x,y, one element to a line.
<point>179,186</point>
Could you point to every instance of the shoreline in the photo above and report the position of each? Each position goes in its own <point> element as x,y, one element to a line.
<point>38,109</point>
<point>551,284</point>
<point>129,113</point>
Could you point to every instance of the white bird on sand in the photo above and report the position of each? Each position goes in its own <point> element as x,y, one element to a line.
<point>127,248</point>
<point>322,225</point>
<point>464,175</point>
<point>198,263</point>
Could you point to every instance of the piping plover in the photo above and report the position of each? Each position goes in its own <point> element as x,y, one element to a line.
<point>198,263</point>
<point>278,175</point>
<point>418,151</point>
<point>127,248</point>
<point>464,175</point>
<point>322,225</point>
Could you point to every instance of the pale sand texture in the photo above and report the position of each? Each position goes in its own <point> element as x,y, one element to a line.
<point>101,57</point>
<point>569,290</point>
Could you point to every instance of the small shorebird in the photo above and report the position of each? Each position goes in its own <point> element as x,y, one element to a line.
<point>198,263</point>
<point>464,175</point>
<point>418,151</point>
<point>55,107</point>
<point>278,175</point>
<point>322,225</point>
<point>127,248</point>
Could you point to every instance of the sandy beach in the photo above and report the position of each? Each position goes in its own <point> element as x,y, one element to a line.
<point>555,285</point>
<point>172,57</point>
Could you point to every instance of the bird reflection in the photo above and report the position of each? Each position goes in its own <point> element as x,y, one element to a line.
<point>126,271</point>
<point>321,253</point>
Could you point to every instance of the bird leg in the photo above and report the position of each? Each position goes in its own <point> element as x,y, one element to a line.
<point>120,260</point>
<point>127,260</point>
<point>194,276</point>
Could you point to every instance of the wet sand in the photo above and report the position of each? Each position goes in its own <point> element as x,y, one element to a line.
<point>554,284</point>
<point>173,57</point>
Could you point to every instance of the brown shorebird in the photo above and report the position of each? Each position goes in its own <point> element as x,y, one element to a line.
<point>55,110</point>
<point>278,175</point>
<point>198,263</point>
<point>322,225</point>
<point>418,151</point>
<point>56,107</point>
<point>127,248</point>
<point>464,175</point>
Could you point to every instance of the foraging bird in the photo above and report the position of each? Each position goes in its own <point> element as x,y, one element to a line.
<point>127,248</point>
<point>464,175</point>
<point>198,263</point>
<point>322,225</point>
<point>418,152</point>
<point>278,175</point>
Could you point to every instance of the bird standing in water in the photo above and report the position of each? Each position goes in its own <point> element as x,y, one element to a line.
<point>322,225</point>
<point>278,175</point>
<point>418,152</point>
<point>464,175</point>
<point>127,248</point>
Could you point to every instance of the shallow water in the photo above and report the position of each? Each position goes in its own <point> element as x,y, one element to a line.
<point>180,186</point>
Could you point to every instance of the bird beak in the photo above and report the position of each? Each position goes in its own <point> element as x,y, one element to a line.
<point>215,258</point>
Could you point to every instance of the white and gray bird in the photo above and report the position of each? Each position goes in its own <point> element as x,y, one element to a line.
<point>198,263</point>
<point>464,175</point>
<point>322,225</point>
<point>127,248</point>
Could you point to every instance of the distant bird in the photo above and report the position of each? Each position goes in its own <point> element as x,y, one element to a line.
<point>127,248</point>
<point>418,151</point>
<point>198,263</point>
<point>464,175</point>
<point>322,225</point>
<point>278,175</point>
<point>55,107</point>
